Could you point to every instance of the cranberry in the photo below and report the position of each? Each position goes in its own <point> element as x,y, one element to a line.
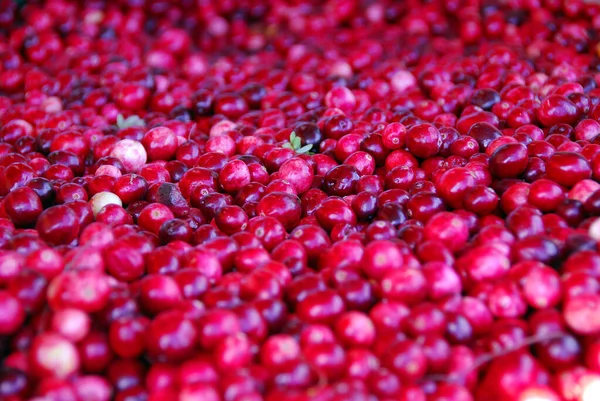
<point>447,228</point>
<point>509,160</point>
<point>355,329</point>
<point>51,355</point>
<point>216,324</point>
<point>546,195</point>
<point>153,216</point>
<point>14,383</point>
<point>29,288</point>
<point>484,133</point>
<point>282,206</point>
<point>297,172</point>
<point>158,293</point>
<point>320,307</point>
<point>58,225</point>
<point>175,230</point>
<point>556,109</point>
<point>126,336</point>
<point>566,168</point>
<point>380,257</point>
<point>231,219</point>
<point>520,366</point>
<point>484,263</point>
<point>23,206</point>
<point>234,175</point>
<point>578,313</point>
<point>430,234</point>
<point>279,352</point>
<point>341,180</point>
<point>423,140</point>
<point>407,359</point>
<point>334,211</point>
<point>171,336</point>
<point>15,315</point>
<point>125,263</point>
<point>454,184</point>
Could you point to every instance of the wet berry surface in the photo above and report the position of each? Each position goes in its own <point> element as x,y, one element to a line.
<point>340,200</point>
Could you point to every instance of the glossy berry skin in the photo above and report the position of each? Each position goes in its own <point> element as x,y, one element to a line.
<point>557,109</point>
<point>131,153</point>
<point>454,184</point>
<point>480,200</point>
<point>355,329</point>
<point>341,180</point>
<point>158,293</point>
<point>407,360</point>
<point>58,225</point>
<point>334,211</point>
<point>284,207</point>
<point>175,230</point>
<point>23,206</point>
<point>153,216</point>
<point>578,310</point>
<point>394,136</point>
<point>171,336</point>
<point>320,307</point>
<point>423,140</point>
<point>297,172</point>
<point>509,160</point>
<point>14,316</point>
<point>566,168</point>
<point>234,176</point>
<point>231,219</point>
<point>52,355</point>
<point>324,201</point>
<point>449,229</point>
<point>160,143</point>
<point>125,263</point>
<point>126,336</point>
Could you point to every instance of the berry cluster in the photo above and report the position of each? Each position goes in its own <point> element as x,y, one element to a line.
<point>300,200</point>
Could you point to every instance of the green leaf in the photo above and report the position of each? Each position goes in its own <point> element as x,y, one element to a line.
<point>292,137</point>
<point>304,149</point>
<point>296,143</point>
<point>131,121</point>
<point>287,145</point>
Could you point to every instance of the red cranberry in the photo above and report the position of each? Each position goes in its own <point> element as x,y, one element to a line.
<point>406,359</point>
<point>579,315</point>
<point>454,184</point>
<point>341,180</point>
<point>234,176</point>
<point>23,206</point>
<point>231,219</point>
<point>509,160</point>
<point>282,206</point>
<point>58,225</point>
<point>449,229</point>
<point>171,336</point>
<point>175,230</point>
<point>14,316</point>
<point>566,168</point>
<point>423,140</point>
<point>153,216</point>
<point>320,307</point>
<point>557,109</point>
<point>297,172</point>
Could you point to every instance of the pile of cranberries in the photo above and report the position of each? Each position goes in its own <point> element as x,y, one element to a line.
<point>328,200</point>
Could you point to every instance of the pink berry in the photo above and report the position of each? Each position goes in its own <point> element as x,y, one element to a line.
<point>131,153</point>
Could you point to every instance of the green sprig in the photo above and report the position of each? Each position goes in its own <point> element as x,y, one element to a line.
<point>295,143</point>
<point>131,121</point>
